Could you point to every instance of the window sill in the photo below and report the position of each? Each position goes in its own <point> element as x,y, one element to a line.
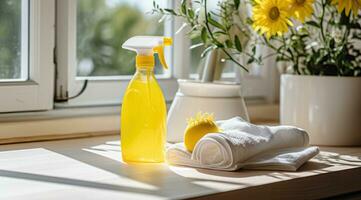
<point>67,123</point>
<point>92,168</point>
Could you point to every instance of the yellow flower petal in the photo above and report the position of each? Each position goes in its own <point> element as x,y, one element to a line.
<point>348,6</point>
<point>271,17</point>
<point>301,9</point>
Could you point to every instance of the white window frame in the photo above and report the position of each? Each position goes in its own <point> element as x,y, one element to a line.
<point>36,92</point>
<point>68,84</point>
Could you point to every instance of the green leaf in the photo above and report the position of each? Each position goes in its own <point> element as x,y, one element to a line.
<point>313,23</point>
<point>355,25</point>
<point>190,13</point>
<point>237,43</point>
<point>251,60</point>
<point>184,7</point>
<point>229,44</point>
<point>195,34</point>
<point>204,53</point>
<point>219,33</point>
<point>344,20</point>
<point>196,45</point>
<point>281,58</point>
<point>215,23</point>
<point>332,43</point>
<point>236,3</point>
<point>204,35</point>
<point>249,21</point>
<point>219,45</point>
<point>254,50</point>
<point>170,11</point>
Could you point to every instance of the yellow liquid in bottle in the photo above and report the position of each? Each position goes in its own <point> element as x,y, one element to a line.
<point>143,119</point>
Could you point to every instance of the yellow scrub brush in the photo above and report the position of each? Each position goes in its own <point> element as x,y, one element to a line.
<point>197,127</point>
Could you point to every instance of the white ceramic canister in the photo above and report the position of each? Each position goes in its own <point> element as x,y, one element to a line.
<point>223,99</point>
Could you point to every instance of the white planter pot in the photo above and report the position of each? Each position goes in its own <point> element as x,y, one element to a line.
<point>328,107</point>
<point>221,99</point>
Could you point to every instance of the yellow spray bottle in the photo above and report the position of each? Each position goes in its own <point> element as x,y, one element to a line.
<point>143,115</point>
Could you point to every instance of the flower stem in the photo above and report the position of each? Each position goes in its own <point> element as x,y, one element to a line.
<point>321,21</point>
<point>216,41</point>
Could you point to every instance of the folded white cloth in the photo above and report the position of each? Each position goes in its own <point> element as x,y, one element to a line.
<point>244,145</point>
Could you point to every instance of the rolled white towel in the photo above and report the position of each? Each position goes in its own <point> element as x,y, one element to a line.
<point>244,145</point>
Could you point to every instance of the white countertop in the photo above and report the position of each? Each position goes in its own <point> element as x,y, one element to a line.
<point>92,168</point>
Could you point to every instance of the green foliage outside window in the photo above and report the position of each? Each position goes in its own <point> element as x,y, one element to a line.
<point>102,29</point>
<point>10,39</point>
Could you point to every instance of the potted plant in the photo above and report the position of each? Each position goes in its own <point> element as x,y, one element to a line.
<point>224,33</point>
<point>318,42</point>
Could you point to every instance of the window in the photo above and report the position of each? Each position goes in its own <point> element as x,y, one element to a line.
<point>93,52</point>
<point>26,48</point>
<point>102,26</point>
<point>50,49</point>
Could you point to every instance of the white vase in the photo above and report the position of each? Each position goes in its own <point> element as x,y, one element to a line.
<point>328,107</point>
<point>222,99</point>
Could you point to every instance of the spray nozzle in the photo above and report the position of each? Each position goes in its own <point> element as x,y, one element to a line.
<point>146,46</point>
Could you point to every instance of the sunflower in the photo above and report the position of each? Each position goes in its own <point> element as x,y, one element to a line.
<point>271,17</point>
<point>301,9</point>
<point>348,5</point>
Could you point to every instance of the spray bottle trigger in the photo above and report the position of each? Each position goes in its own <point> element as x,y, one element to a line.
<point>160,51</point>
